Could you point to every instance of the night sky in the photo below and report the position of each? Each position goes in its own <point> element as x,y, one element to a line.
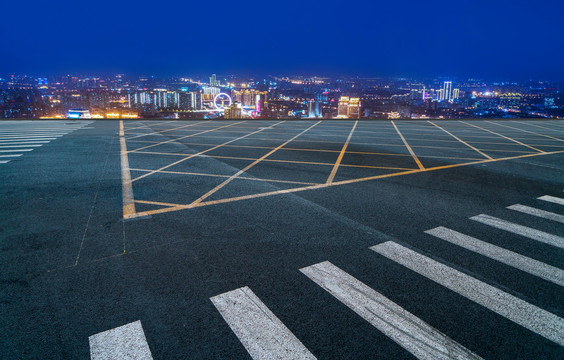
<point>496,39</point>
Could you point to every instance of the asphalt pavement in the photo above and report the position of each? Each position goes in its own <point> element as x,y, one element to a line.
<point>251,239</point>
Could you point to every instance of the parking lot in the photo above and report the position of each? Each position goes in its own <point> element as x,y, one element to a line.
<point>282,239</point>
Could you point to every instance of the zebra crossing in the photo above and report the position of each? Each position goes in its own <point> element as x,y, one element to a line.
<point>264,336</point>
<point>20,137</point>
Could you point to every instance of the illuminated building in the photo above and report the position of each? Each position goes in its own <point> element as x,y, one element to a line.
<point>447,91</point>
<point>213,80</point>
<point>353,110</point>
<point>233,112</point>
<point>314,109</point>
<point>248,97</point>
<point>510,101</point>
<point>455,94</point>
<point>343,110</point>
<point>79,114</point>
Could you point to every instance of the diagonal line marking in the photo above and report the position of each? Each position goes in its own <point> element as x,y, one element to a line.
<point>187,136</point>
<point>212,191</point>
<point>527,131</point>
<point>163,131</point>
<point>205,151</point>
<point>464,142</point>
<point>343,182</point>
<point>503,136</point>
<point>340,158</point>
<point>409,148</point>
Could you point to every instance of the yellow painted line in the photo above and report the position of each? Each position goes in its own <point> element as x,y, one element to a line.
<point>408,147</point>
<point>503,136</point>
<point>126,188</point>
<point>184,137</point>
<point>281,161</point>
<point>145,122</point>
<point>341,154</point>
<point>203,152</point>
<point>234,176</point>
<point>160,132</point>
<point>227,176</point>
<point>527,131</point>
<point>465,143</point>
<point>337,183</point>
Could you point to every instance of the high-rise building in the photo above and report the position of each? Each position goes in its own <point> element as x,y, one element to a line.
<point>353,111</point>
<point>455,94</point>
<point>447,91</point>
<point>343,110</point>
<point>314,109</point>
<point>213,81</point>
<point>235,111</point>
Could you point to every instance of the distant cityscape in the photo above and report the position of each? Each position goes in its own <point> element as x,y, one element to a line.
<point>273,97</point>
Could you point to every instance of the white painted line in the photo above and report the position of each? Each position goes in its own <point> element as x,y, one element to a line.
<point>4,161</point>
<point>410,332</point>
<point>24,143</point>
<point>4,151</point>
<point>124,342</point>
<point>11,155</point>
<point>537,212</point>
<point>525,231</point>
<point>518,261</point>
<point>552,199</point>
<point>259,330</point>
<point>28,139</point>
<point>18,146</point>
<point>527,315</point>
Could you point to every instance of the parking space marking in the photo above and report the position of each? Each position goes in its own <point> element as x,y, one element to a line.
<point>503,136</point>
<point>507,257</point>
<point>123,343</point>
<point>341,154</point>
<point>234,176</point>
<point>184,137</point>
<point>527,131</point>
<point>126,187</point>
<point>529,316</point>
<point>407,330</point>
<point>409,148</point>
<point>201,152</point>
<point>262,334</point>
<point>525,231</point>
<point>462,141</point>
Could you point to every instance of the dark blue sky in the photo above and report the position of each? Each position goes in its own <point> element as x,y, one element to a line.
<point>484,38</point>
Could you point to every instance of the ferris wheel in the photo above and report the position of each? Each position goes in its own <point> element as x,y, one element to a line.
<point>222,100</point>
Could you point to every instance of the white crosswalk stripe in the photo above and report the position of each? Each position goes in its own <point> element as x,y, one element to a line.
<point>502,255</point>
<point>525,231</point>
<point>537,212</point>
<point>18,137</point>
<point>552,199</point>
<point>262,334</point>
<point>527,315</point>
<point>410,332</point>
<point>121,343</point>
